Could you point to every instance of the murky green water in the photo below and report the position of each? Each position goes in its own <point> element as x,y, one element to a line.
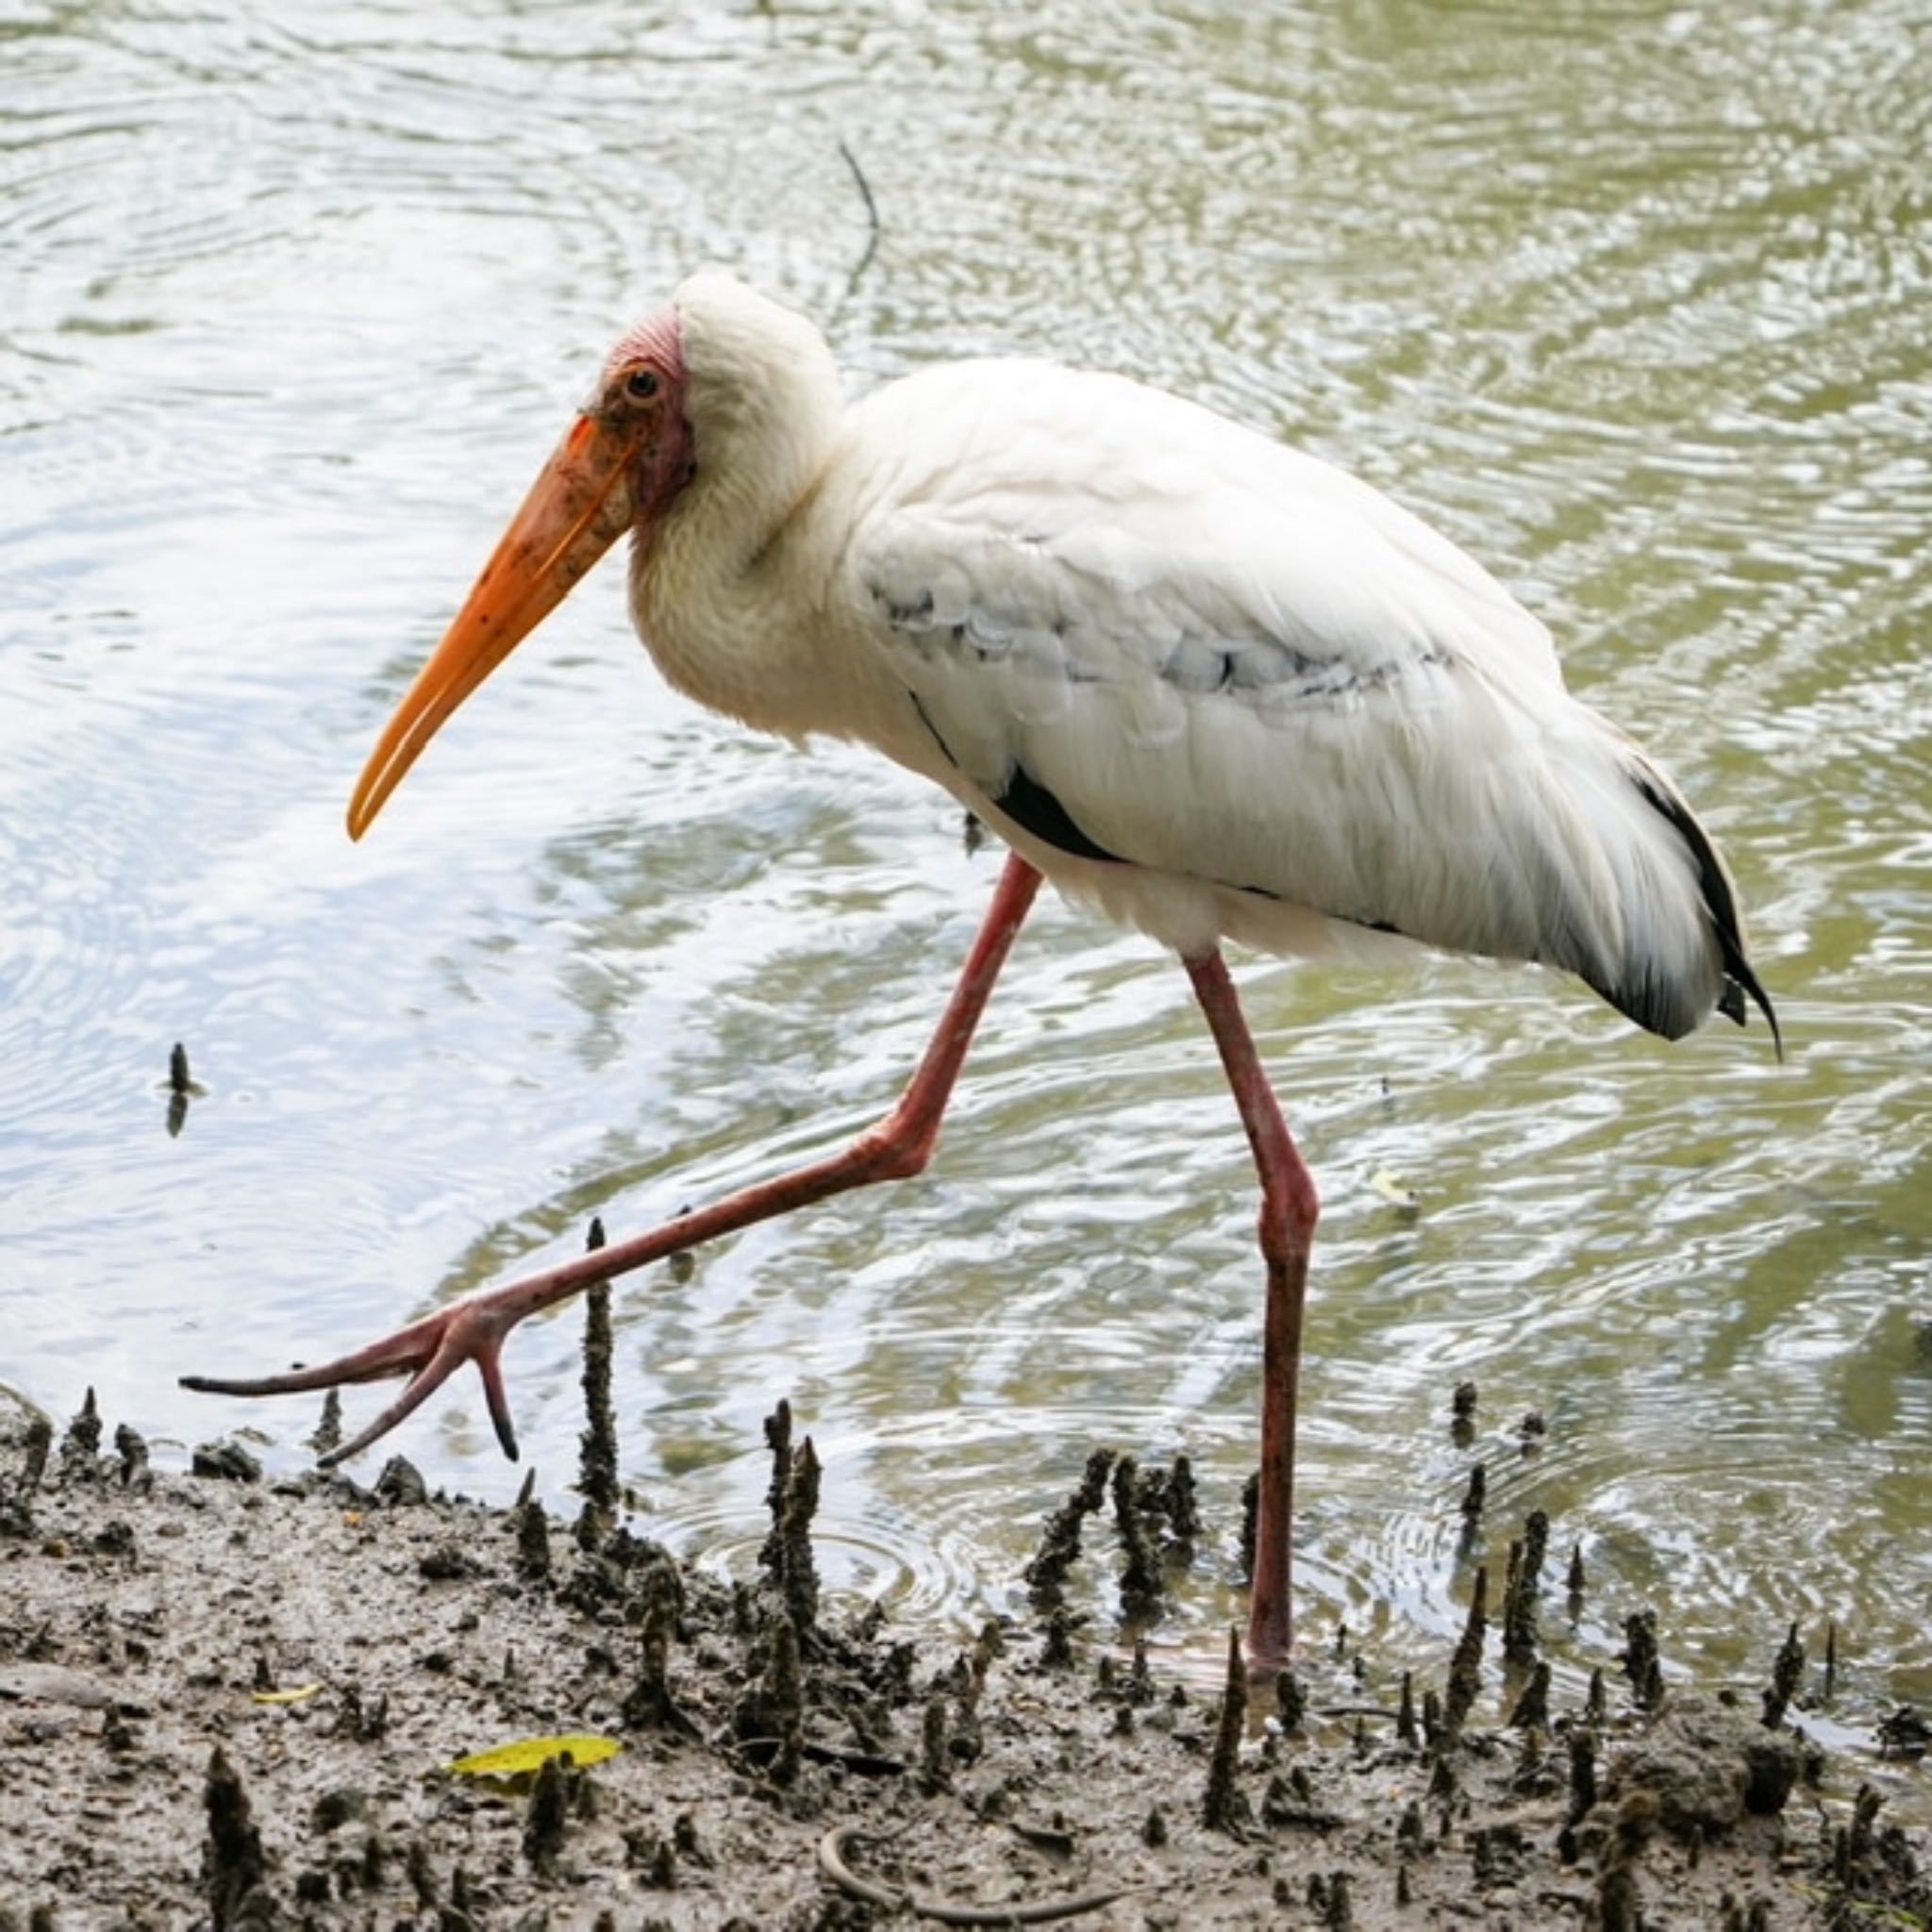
<point>1632,301</point>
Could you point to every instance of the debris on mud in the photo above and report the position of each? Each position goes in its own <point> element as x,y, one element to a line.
<point>789,1761</point>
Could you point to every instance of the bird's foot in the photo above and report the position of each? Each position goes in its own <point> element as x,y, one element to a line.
<point>1269,1649</point>
<point>429,1352</point>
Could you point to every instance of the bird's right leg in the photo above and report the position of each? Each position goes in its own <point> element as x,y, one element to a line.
<point>472,1330</point>
<point>1287,1232</point>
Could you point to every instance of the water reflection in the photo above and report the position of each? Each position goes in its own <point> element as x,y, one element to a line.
<point>1630,300</point>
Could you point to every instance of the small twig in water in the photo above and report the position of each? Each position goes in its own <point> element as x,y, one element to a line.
<point>872,210</point>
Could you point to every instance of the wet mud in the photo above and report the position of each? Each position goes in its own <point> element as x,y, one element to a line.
<point>226,1701</point>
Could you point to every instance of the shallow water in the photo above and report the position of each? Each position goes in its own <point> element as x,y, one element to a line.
<point>1630,300</point>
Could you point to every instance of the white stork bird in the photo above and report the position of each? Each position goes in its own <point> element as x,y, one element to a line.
<point>1216,687</point>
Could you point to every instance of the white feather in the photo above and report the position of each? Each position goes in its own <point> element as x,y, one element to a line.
<point>1265,702</point>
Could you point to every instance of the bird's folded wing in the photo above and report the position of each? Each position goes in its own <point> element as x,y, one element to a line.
<point>1187,647</point>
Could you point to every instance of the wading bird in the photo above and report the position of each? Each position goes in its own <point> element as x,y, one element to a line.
<point>1215,688</point>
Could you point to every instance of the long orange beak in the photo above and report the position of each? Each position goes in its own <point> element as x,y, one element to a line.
<point>580,504</point>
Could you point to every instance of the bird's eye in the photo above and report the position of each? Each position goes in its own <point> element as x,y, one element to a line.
<point>642,383</point>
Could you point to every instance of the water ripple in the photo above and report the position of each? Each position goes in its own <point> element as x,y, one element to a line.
<point>1630,300</point>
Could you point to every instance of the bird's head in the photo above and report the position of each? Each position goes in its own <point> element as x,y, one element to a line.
<point>621,464</point>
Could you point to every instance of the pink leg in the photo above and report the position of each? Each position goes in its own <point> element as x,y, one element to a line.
<point>1289,1207</point>
<point>474,1328</point>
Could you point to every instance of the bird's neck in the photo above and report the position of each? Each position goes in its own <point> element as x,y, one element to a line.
<point>718,583</point>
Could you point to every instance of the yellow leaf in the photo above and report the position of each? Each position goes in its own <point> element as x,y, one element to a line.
<point>294,1695</point>
<point>530,1755</point>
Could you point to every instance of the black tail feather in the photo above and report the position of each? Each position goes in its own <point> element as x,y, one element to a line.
<point>1721,902</point>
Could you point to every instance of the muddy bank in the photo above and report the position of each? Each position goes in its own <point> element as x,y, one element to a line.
<point>225,1701</point>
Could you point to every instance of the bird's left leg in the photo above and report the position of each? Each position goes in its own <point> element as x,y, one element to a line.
<point>472,1330</point>
<point>1288,1209</point>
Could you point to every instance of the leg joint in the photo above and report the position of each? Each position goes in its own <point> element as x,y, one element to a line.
<point>1290,1209</point>
<point>894,1149</point>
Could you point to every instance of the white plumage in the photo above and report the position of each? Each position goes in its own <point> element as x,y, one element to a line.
<point>1219,688</point>
<point>1120,627</point>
